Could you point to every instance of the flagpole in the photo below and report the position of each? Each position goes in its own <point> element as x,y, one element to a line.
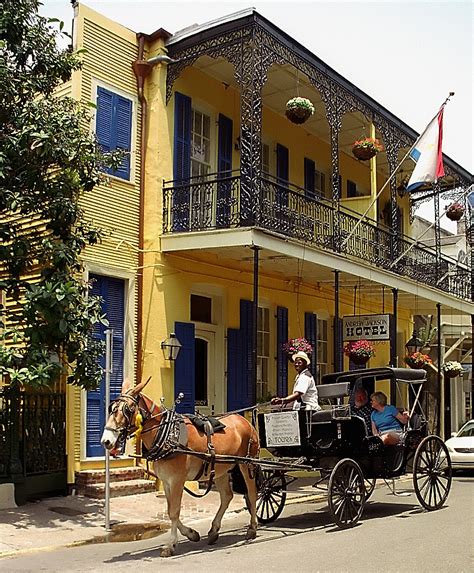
<point>359,222</point>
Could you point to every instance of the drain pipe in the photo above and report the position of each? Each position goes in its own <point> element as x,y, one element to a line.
<point>141,69</point>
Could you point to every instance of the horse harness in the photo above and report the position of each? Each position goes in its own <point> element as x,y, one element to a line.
<point>171,437</point>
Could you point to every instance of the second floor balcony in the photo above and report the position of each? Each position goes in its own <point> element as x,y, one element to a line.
<point>227,201</point>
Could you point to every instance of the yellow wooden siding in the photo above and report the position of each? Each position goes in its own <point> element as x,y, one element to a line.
<point>64,90</point>
<point>114,206</point>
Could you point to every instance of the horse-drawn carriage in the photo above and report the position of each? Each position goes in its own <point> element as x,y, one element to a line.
<point>333,444</point>
<point>349,460</point>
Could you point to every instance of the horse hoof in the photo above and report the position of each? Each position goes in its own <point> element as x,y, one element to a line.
<point>194,536</point>
<point>167,552</point>
<point>213,537</point>
<point>251,534</point>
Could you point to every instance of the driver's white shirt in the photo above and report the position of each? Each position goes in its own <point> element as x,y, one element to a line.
<point>304,383</point>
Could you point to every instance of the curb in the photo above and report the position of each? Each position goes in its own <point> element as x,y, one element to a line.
<point>120,532</point>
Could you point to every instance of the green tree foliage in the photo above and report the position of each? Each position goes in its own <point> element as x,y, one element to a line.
<point>48,161</point>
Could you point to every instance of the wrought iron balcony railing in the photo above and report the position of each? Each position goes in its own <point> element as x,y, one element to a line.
<point>216,201</point>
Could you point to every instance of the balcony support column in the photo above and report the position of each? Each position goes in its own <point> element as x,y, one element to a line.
<point>254,60</point>
<point>255,250</point>
<point>439,378</point>
<point>335,123</point>
<point>337,327</point>
<point>437,232</point>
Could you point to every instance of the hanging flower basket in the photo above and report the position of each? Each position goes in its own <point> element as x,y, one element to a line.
<point>360,351</point>
<point>455,211</point>
<point>417,360</point>
<point>359,360</point>
<point>366,148</point>
<point>299,109</point>
<point>297,345</point>
<point>452,369</point>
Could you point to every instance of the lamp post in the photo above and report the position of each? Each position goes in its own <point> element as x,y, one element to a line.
<point>171,347</point>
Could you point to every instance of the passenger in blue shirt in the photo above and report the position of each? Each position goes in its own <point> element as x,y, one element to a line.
<point>387,421</point>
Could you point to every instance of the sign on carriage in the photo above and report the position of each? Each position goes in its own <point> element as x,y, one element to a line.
<point>368,326</point>
<point>282,429</point>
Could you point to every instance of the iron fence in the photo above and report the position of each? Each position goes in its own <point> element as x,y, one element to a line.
<point>33,440</point>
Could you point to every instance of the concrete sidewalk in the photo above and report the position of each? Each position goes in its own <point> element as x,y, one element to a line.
<point>75,520</point>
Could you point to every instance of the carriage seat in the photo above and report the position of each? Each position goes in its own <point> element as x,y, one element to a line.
<point>338,390</point>
<point>329,391</point>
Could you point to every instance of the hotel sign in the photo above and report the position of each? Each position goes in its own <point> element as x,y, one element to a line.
<point>368,327</point>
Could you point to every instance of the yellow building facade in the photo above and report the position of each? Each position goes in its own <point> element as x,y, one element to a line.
<point>234,228</point>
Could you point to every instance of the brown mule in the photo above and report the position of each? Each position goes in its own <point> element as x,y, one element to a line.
<point>238,439</point>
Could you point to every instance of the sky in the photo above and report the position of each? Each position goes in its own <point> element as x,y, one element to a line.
<point>407,55</point>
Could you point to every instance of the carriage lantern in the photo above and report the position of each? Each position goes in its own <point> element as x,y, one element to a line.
<point>414,344</point>
<point>171,347</point>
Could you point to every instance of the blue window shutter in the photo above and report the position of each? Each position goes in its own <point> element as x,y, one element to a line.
<point>309,182</point>
<point>181,161</point>
<point>236,372</point>
<point>123,134</point>
<point>224,167</point>
<point>225,144</point>
<point>182,137</point>
<point>246,327</point>
<point>283,162</point>
<point>282,173</point>
<point>311,335</point>
<point>114,127</point>
<point>104,119</point>
<point>282,358</point>
<point>184,371</point>
<point>112,292</point>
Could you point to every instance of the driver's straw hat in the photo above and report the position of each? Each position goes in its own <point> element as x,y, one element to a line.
<point>302,355</point>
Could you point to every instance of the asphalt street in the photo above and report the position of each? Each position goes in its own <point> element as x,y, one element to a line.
<point>394,535</point>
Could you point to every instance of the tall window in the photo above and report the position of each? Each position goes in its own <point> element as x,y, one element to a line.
<point>114,127</point>
<point>263,351</point>
<point>200,144</point>
<point>322,347</point>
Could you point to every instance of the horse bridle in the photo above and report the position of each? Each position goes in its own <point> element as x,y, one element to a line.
<point>127,411</point>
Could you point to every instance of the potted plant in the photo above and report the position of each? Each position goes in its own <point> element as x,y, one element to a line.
<point>417,360</point>
<point>299,109</point>
<point>359,351</point>
<point>297,345</point>
<point>455,211</point>
<point>451,369</point>
<point>366,148</point>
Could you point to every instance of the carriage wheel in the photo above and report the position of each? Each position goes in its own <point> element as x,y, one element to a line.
<point>369,487</point>
<point>347,493</point>
<point>271,495</point>
<point>432,473</point>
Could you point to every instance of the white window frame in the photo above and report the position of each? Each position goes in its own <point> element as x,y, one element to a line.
<point>264,387</point>
<point>320,344</point>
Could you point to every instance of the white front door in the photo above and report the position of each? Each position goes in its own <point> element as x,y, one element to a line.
<point>205,373</point>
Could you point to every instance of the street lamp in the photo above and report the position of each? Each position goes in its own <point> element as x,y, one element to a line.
<point>171,347</point>
<point>414,344</point>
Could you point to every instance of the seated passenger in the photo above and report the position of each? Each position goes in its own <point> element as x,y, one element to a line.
<point>362,409</point>
<point>305,394</point>
<point>386,420</point>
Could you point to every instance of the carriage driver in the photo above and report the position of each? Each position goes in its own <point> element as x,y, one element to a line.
<point>305,394</point>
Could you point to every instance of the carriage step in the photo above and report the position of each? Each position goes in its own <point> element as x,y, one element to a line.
<point>119,488</point>
<point>91,477</point>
